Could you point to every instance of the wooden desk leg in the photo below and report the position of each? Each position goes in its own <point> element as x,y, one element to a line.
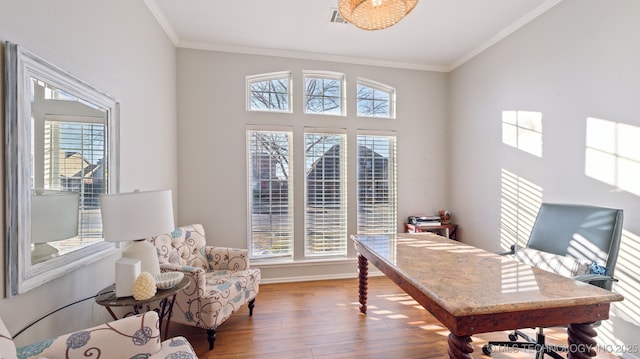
<point>459,347</point>
<point>363,279</point>
<point>581,342</point>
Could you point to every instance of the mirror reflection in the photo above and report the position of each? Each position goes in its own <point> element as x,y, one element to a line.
<point>67,171</point>
<point>61,154</point>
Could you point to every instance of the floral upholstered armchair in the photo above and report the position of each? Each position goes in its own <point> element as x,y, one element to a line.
<point>221,280</point>
<point>134,337</point>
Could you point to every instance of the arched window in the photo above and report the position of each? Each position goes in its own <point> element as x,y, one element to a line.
<point>375,99</point>
<point>269,92</point>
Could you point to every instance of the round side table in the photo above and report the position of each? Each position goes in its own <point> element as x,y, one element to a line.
<point>165,297</point>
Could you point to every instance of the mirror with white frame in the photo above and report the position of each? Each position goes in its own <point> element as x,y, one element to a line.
<point>61,154</point>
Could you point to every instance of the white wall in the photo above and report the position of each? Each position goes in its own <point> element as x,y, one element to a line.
<point>578,60</point>
<point>212,156</point>
<point>118,47</point>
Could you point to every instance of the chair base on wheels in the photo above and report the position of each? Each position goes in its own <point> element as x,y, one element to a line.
<point>537,345</point>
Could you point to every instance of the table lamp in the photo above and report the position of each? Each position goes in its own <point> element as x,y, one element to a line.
<point>133,217</point>
<point>54,217</point>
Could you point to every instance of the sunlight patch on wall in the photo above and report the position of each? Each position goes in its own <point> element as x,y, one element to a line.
<point>520,201</point>
<point>523,130</point>
<point>612,154</point>
<point>626,272</point>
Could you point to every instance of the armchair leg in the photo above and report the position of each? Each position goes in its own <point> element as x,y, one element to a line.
<point>252,304</point>
<point>211,337</point>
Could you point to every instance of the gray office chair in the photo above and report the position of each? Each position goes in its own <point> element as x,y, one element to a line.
<point>574,240</point>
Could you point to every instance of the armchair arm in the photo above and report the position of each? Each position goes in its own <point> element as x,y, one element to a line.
<point>590,278</point>
<point>177,347</point>
<point>135,336</point>
<point>223,258</point>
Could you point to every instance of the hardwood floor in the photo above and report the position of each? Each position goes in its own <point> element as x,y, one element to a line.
<point>321,320</point>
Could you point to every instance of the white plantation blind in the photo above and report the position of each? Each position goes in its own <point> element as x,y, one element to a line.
<point>74,161</point>
<point>325,194</point>
<point>270,193</point>
<point>377,184</point>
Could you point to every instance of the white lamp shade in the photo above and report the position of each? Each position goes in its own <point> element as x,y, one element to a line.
<point>54,215</point>
<point>136,215</point>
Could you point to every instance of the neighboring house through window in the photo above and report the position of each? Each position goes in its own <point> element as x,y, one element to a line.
<point>270,217</point>
<point>326,193</point>
<point>377,185</point>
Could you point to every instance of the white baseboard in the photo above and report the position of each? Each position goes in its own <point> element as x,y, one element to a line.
<point>372,273</point>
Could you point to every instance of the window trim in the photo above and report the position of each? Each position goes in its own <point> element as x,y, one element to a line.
<point>269,77</point>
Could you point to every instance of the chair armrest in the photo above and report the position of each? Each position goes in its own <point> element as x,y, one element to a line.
<point>511,251</point>
<point>196,274</point>
<point>124,338</point>
<point>177,347</point>
<point>224,258</point>
<point>590,278</point>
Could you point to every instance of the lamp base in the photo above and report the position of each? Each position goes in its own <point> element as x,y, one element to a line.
<point>127,270</point>
<point>146,253</point>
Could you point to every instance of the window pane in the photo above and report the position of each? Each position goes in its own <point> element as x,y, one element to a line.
<point>374,102</point>
<point>323,95</point>
<point>270,94</point>
<point>270,224</point>
<point>381,95</point>
<point>377,201</point>
<point>331,105</point>
<point>74,154</point>
<point>365,92</point>
<point>331,88</point>
<point>314,86</point>
<point>325,185</point>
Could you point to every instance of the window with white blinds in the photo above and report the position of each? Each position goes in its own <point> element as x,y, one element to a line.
<point>377,184</point>
<point>325,194</point>
<point>73,158</point>
<point>270,194</point>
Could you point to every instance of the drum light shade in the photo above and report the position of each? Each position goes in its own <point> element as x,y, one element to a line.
<point>375,14</point>
<point>135,216</point>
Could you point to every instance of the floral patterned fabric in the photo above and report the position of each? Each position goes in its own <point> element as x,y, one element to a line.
<point>7,347</point>
<point>134,337</point>
<point>221,279</point>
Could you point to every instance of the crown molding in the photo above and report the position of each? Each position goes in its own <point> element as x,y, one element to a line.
<point>162,20</point>
<point>504,33</point>
<point>308,56</point>
<point>175,39</point>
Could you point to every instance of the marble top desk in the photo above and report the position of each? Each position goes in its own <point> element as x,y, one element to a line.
<point>473,291</point>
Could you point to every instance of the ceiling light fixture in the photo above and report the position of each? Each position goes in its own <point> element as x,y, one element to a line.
<point>375,14</point>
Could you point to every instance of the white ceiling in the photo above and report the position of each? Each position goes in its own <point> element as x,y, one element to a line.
<point>437,35</point>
